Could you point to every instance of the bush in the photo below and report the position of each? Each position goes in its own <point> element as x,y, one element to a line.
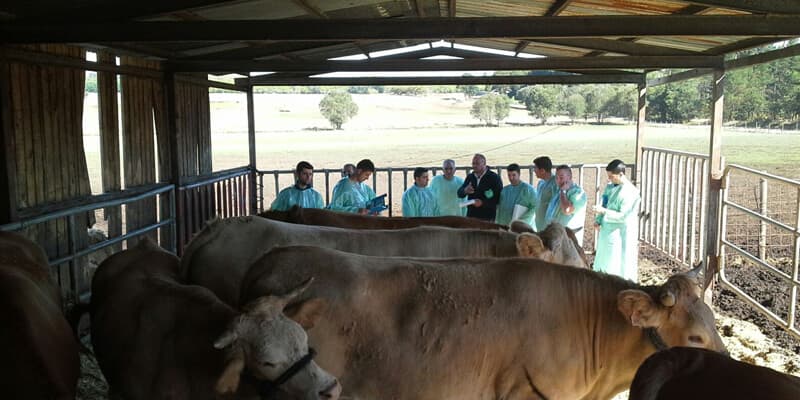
<point>337,108</point>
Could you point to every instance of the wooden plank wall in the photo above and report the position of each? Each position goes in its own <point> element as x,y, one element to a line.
<point>108,111</point>
<point>138,140</point>
<point>194,128</point>
<point>46,113</point>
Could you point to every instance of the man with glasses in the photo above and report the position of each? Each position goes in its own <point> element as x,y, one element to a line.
<point>445,190</point>
<point>482,187</point>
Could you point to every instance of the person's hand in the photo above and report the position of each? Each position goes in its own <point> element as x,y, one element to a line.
<point>469,189</point>
<point>565,186</point>
<point>478,203</point>
<point>599,209</point>
<point>363,211</point>
<point>596,225</point>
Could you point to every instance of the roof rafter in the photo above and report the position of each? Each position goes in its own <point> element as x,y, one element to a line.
<point>102,10</point>
<point>617,46</point>
<point>315,11</point>
<point>771,6</point>
<point>269,80</point>
<point>400,28</point>
<point>557,7</point>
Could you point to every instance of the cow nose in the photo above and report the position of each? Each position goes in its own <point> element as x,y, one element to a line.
<point>332,392</point>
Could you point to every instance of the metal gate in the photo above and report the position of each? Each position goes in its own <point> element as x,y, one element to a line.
<point>759,239</point>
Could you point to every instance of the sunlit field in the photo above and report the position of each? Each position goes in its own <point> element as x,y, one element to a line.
<point>396,131</point>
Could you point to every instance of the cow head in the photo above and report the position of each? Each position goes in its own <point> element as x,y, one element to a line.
<point>676,311</point>
<point>268,343</point>
<point>555,244</point>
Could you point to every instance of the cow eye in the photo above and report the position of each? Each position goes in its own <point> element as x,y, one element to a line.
<point>695,339</point>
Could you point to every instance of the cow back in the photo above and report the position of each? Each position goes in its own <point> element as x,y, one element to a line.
<point>40,353</point>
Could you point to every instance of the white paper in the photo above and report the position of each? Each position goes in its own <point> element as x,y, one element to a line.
<point>519,209</point>
<point>467,203</point>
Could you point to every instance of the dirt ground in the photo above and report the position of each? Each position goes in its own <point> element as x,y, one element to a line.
<point>748,336</point>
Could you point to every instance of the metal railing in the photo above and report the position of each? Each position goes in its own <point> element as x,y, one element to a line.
<point>674,190</point>
<point>220,194</point>
<point>777,265</point>
<point>395,181</point>
<point>78,290</point>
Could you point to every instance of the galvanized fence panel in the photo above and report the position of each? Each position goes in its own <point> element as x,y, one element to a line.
<point>673,186</point>
<point>221,194</point>
<point>75,260</point>
<point>759,241</point>
<point>394,181</point>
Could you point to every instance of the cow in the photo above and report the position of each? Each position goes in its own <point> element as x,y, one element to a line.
<point>157,339</point>
<point>322,217</point>
<point>220,254</point>
<point>683,373</point>
<point>515,328</point>
<point>39,351</point>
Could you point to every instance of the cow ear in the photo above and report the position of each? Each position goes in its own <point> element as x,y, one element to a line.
<point>307,312</point>
<point>530,245</point>
<point>226,339</point>
<point>518,226</point>
<point>639,308</point>
<point>228,381</point>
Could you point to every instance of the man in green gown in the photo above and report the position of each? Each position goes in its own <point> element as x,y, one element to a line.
<point>301,193</point>
<point>445,190</point>
<point>352,194</point>
<point>418,200</point>
<point>516,195</point>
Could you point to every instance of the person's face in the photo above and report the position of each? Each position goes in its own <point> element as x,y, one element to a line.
<point>614,178</point>
<point>347,171</point>
<point>541,173</point>
<point>563,176</point>
<point>449,171</point>
<point>305,177</point>
<point>363,175</point>
<point>513,177</point>
<point>422,180</point>
<point>478,165</point>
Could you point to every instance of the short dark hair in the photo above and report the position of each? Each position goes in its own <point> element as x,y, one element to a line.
<point>564,166</point>
<point>616,167</point>
<point>366,165</point>
<point>419,171</point>
<point>543,162</point>
<point>513,167</point>
<point>303,165</point>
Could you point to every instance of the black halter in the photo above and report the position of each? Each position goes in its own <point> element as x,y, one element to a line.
<point>267,388</point>
<point>655,339</point>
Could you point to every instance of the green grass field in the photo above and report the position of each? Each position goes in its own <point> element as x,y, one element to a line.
<point>397,131</point>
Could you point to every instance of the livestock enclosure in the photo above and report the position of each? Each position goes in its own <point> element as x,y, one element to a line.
<point>153,65</point>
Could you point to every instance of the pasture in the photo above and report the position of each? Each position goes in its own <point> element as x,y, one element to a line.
<point>396,131</point>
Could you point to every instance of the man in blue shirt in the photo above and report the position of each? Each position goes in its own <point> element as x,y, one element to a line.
<point>352,194</point>
<point>301,193</point>
<point>418,200</point>
<point>568,207</point>
<point>546,190</point>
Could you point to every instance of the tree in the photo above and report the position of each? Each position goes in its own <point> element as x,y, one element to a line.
<point>469,90</point>
<point>575,106</point>
<point>539,100</point>
<point>337,108</point>
<point>490,108</point>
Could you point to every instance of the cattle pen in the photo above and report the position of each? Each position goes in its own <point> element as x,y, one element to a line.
<point>157,61</point>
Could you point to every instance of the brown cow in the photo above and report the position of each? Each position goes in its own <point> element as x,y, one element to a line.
<point>696,374</point>
<point>156,339</point>
<point>404,328</point>
<point>218,257</point>
<point>39,351</point>
<point>322,217</point>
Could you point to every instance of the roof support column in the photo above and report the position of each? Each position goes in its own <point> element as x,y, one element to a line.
<point>177,235</point>
<point>251,145</point>
<point>640,121</point>
<point>715,171</point>
<point>8,170</point>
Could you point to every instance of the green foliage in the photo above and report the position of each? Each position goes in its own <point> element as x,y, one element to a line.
<point>491,107</point>
<point>338,108</point>
<point>91,82</point>
<point>469,90</point>
<point>539,100</point>
<point>575,106</point>
<point>408,90</point>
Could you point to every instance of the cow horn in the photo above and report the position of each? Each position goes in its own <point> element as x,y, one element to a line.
<point>288,297</point>
<point>667,299</point>
<point>695,272</point>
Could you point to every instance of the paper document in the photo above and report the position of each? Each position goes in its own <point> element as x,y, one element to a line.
<point>467,203</point>
<point>519,209</point>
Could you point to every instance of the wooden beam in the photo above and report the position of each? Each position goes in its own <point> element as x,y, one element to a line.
<point>451,9</point>
<point>715,145</point>
<point>680,76</point>
<point>102,10</point>
<point>313,10</point>
<point>771,6</point>
<point>32,57</point>
<point>418,7</point>
<point>743,45</point>
<point>8,168</point>
<point>761,58</point>
<point>444,80</point>
<point>484,64</point>
<point>404,28</point>
<point>557,7</point>
<point>521,46</point>
<point>715,171</point>
<point>251,147</point>
<point>641,112</point>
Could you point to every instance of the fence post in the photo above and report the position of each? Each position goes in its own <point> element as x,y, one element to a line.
<point>762,237</point>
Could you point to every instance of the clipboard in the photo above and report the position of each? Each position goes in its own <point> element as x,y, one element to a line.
<point>377,204</point>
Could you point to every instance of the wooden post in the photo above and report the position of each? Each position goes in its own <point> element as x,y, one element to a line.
<point>640,121</point>
<point>175,160</point>
<point>251,144</point>
<point>8,169</point>
<point>715,180</point>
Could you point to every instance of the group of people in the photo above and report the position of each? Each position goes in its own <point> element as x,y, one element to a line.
<point>556,198</point>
